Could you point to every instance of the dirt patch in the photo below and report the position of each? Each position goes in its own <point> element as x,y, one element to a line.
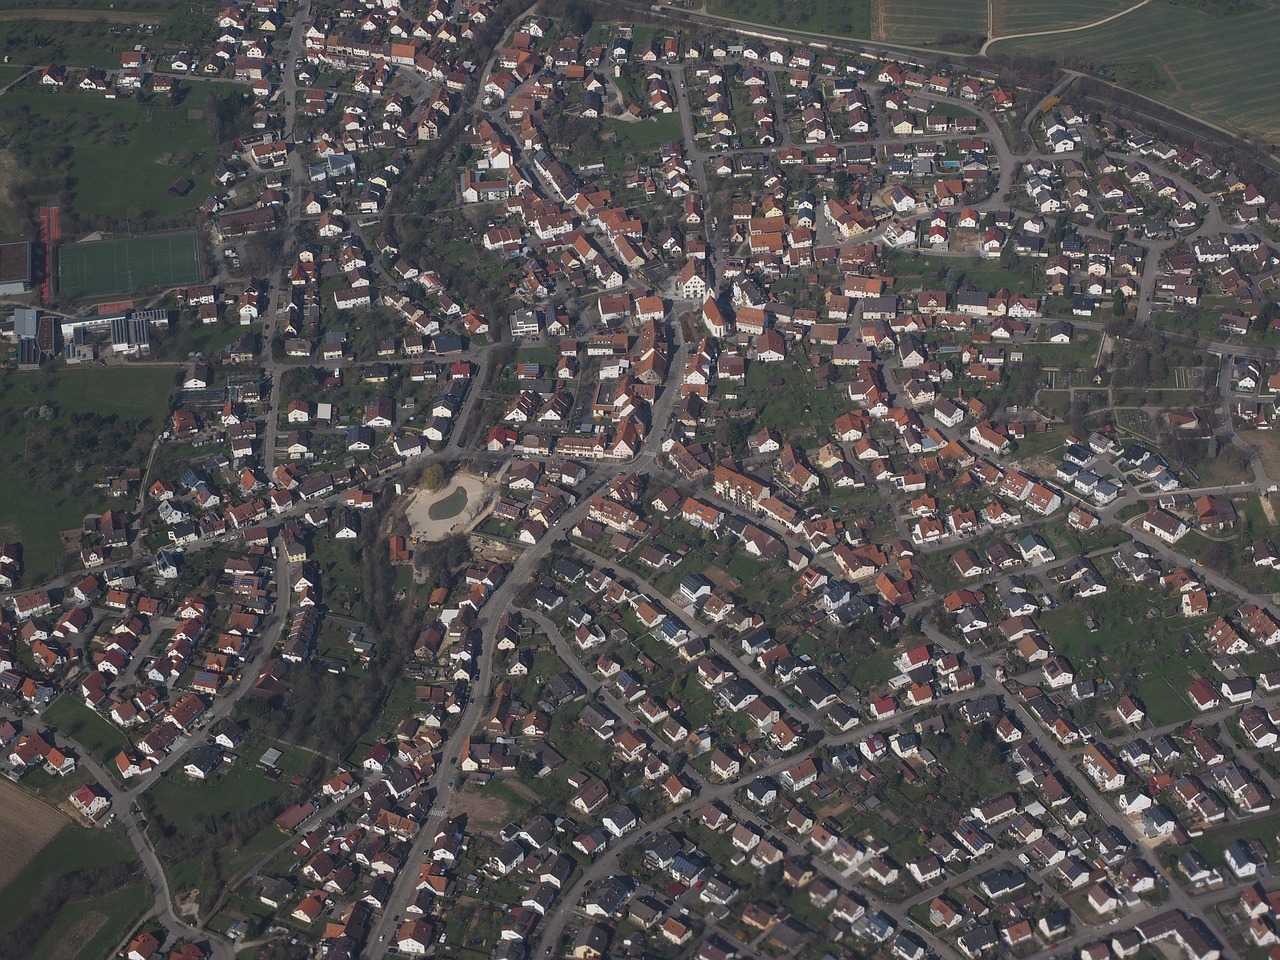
<point>454,509</point>
<point>27,824</point>
<point>82,16</point>
<point>485,813</point>
<point>78,934</point>
<point>188,903</point>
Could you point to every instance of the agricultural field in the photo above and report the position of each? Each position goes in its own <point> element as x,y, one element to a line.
<point>930,22</point>
<point>1219,68</point>
<point>89,929</point>
<point>128,264</point>
<point>28,825</point>
<point>98,418</point>
<point>845,18</point>
<point>72,847</point>
<point>119,157</point>
<point>1029,16</point>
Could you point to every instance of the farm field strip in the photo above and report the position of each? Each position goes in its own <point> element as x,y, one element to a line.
<point>919,21</point>
<point>1228,75</point>
<point>27,824</point>
<point>1026,16</point>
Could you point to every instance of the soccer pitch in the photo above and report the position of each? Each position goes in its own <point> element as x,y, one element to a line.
<point>128,264</point>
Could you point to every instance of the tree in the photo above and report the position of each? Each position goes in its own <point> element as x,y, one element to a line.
<point>433,478</point>
<point>733,434</point>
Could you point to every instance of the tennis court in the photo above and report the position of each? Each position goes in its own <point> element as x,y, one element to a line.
<point>128,264</point>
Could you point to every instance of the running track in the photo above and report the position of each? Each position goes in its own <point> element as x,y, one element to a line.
<point>49,236</point>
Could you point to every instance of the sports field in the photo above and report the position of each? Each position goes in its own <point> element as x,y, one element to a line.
<point>128,264</point>
<point>1222,69</point>
<point>1028,16</point>
<point>920,22</point>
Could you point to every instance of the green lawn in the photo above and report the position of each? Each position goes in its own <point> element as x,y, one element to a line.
<point>186,804</point>
<point>74,848</point>
<point>190,336</point>
<point>1218,67</point>
<point>982,274</point>
<point>644,136</point>
<point>1035,444</point>
<point>450,506</point>
<point>784,398</point>
<point>120,156</point>
<point>1165,703</point>
<point>102,418</point>
<point>1213,844</point>
<point>71,717</point>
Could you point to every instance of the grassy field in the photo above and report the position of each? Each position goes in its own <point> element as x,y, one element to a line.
<point>73,848</point>
<point>186,804</point>
<point>450,506</point>
<point>89,929</point>
<point>1130,648</point>
<point>49,490</point>
<point>128,264</point>
<point>1219,68</point>
<point>70,717</point>
<point>1213,844</point>
<point>644,136</point>
<point>1027,16</point>
<point>847,18</point>
<point>120,156</point>
<point>928,21</point>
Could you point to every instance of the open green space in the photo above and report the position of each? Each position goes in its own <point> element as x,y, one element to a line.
<point>71,717</point>
<point>187,804</point>
<point>846,18</point>
<point>1139,645</point>
<point>74,848</point>
<point>643,136</point>
<point>784,398</point>
<point>128,264</point>
<point>119,157</point>
<point>99,418</point>
<point>1027,16</point>
<point>1213,844</point>
<point>1221,68</point>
